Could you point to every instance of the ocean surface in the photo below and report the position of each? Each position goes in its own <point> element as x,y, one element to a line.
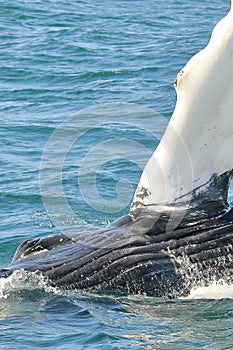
<point>104,71</point>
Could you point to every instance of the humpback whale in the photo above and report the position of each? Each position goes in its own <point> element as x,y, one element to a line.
<point>179,230</point>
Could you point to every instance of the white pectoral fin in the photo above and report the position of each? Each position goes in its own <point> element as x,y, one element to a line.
<point>192,166</point>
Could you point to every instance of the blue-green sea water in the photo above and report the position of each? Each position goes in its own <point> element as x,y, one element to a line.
<point>104,62</point>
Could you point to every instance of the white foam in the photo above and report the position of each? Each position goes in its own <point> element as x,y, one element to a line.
<point>216,290</point>
<point>21,280</point>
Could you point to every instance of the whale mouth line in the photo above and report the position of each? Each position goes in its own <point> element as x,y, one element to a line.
<point>29,284</point>
<point>207,201</point>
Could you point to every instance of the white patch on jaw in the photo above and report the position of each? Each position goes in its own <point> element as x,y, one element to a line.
<point>199,137</point>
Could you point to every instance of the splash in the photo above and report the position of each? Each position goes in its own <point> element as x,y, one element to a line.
<point>216,290</point>
<point>22,282</point>
<point>202,279</point>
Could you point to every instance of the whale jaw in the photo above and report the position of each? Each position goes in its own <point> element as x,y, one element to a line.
<point>197,144</point>
<point>167,264</point>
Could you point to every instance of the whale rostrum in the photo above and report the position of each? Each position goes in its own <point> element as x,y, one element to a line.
<point>179,231</point>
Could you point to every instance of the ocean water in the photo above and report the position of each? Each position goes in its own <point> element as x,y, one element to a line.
<point>86,92</point>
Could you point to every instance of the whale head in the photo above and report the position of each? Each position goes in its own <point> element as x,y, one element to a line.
<point>180,227</point>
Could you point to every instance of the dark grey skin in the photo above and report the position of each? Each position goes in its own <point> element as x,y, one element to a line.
<point>137,255</point>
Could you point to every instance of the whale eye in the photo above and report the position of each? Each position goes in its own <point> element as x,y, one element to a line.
<point>177,78</point>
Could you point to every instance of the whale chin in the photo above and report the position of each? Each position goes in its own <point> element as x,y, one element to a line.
<point>179,231</point>
<point>202,203</point>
